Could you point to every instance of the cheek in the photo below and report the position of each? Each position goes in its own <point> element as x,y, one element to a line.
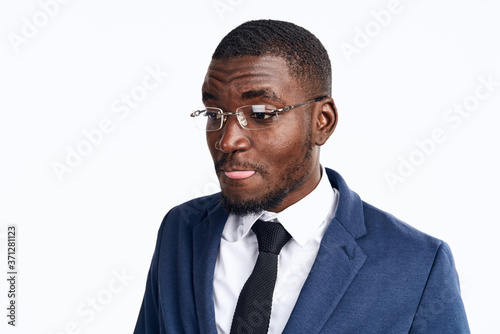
<point>293,139</point>
<point>283,152</point>
<point>211,139</point>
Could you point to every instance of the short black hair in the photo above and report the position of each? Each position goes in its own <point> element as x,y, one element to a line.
<point>307,58</point>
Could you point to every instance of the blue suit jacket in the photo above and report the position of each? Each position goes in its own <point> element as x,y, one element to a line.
<point>373,274</point>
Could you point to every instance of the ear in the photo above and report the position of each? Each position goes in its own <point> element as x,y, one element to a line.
<point>326,120</point>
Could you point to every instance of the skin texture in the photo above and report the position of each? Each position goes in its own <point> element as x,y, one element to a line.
<point>279,165</point>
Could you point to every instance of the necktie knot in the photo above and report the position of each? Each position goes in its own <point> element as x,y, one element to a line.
<point>270,236</point>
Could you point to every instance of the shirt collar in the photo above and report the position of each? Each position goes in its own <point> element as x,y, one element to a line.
<point>301,219</point>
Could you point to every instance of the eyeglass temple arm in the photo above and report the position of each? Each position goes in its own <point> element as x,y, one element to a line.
<point>287,108</point>
<point>196,113</point>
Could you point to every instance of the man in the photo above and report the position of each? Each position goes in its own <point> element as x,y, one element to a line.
<point>287,246</point>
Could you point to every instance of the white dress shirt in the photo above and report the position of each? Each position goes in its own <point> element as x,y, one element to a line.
<point>306,221</point>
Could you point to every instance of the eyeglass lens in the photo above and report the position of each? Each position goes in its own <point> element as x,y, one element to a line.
<point>253,117</point>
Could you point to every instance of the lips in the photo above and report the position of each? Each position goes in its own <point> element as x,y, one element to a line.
<point>239,174</point>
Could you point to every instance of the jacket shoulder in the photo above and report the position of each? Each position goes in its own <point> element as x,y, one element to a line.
<point>192,211</point>
<point>388,232</point>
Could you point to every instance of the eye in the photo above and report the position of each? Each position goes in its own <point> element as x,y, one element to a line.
<point>262,112</point>
<point>212,115</point>
<point>262,115</point>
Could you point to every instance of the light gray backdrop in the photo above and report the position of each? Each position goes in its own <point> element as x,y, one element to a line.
<point>97,145</point>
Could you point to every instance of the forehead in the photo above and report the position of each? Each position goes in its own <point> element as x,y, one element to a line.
<point>249,73</point>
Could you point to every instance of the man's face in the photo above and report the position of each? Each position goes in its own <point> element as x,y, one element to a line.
<point>268,169</point>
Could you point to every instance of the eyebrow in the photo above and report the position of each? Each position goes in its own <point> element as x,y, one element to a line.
<point>264,93</point>
<point>205,96</point>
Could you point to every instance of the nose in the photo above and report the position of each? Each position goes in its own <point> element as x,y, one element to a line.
<point>232,136</point>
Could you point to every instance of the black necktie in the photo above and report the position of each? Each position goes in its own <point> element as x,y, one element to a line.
<point>253,310</point>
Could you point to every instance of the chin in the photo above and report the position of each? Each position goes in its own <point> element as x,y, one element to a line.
<point>245,206</point>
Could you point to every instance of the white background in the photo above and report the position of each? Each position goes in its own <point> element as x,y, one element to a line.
<point>75,235</point>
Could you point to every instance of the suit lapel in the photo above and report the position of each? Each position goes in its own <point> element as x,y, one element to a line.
<point>338,261</point>
<point>206,241</point>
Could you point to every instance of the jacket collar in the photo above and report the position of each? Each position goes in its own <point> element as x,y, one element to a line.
<point>350,208</point>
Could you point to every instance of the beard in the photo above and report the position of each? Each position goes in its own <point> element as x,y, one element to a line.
<point>267,202</point>
<point>294,176</point>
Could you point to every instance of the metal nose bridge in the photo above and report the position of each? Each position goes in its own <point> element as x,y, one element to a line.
<point>239,116</point>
